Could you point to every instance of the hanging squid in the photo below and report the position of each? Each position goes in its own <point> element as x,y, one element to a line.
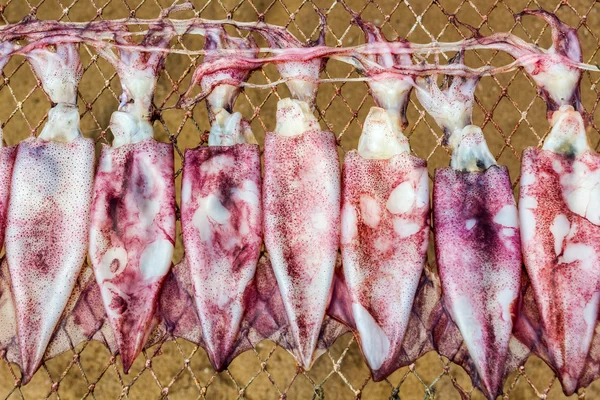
<point>384,237</point>
<point>301,203</point>
<point>132,233</point>
<point>49,205</point>
<point>385,218</point>
<point>559,217</point>
<point>301,198</point>
<point>476,231</point>
<point>221,209</point>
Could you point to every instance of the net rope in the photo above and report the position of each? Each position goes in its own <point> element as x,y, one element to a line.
<point>508,109</point>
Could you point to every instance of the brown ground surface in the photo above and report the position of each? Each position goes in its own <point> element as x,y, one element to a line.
<point>517,118</point>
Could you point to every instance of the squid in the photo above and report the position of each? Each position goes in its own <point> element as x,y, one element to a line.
<point>384,237</point>
<point>560,223</point>
<point>301,214</point>
<point>47,223</point>
<point>301,198</point>
<point>384,219</point>
<point>476,231</point>
<point>221,213</point>
<point>132,234</point>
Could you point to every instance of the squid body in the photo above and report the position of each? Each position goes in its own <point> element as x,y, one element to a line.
<point>132,235</point>
<point>222,229</point>
<point>476,232</point>
<point>384,237</point>
<point>49,208</point>
<point>301,206</point>
<point>560,223</point>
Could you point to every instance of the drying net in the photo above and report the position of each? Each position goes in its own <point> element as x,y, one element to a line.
<point>507,108</point>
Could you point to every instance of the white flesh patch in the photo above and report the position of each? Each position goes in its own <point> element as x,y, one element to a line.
<point>467,320</point>
<point>401,199</point>
<point>319,219</point>
<point>560,229</point>
<point>581,191</point>
<point>470,223</point>
<point>527,179</point>
<point>507,216</point>
<point>590,311</point>
<point>508,231</point>
<point>579,252</point>
<point>423,189</point>
<point>375,343</point>
<point>249,193</point>
<point>349,224</point>
<point>370,210</point>
<point>557,166</point>
<point>128,128</point>
<point>405,228</point>
<point>506,297</point>
<point>527,218</point>
<point>155,260</point>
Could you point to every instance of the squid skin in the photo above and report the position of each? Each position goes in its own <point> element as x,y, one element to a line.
<point>301,206</point>
<point>384,240</point>
<point>7,161</point>
<point>132,237</point>
<point>222,232</point>
<point>560,238</point>
<point>46,236</point>
<point>479,262</point>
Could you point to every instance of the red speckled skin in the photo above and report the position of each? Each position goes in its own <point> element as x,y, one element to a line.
<point>7,160</point>
<point>132,237</point>
<point>46,236</point>
<point>479,262</point>
<point>221,250</point>
<point>301,205</point>
<point>565,280</point>
<point>383,265</point>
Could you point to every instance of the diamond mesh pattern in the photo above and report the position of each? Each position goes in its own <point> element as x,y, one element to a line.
<point>508,109</point>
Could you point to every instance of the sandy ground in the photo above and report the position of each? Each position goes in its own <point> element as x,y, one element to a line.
<point>518,119</point>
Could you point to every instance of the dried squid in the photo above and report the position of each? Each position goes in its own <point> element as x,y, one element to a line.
<point>132,233</point>
<point>476,231</point>
<point>49,206</point>
<point>221,204</point>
